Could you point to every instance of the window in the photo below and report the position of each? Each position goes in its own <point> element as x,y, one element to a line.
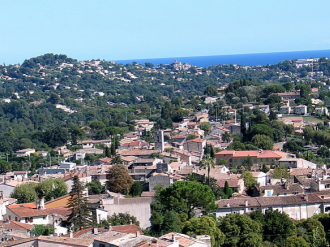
<point>9,217</point>
<point>31,219</point>
<point>15,218</point>
<point>285,193</point>
<point>26,220</point>
<point>102,245</point>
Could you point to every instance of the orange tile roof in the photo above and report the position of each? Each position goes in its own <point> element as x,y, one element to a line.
<point>226,152</point>
<point>251,153</point>
<point>30,210</point>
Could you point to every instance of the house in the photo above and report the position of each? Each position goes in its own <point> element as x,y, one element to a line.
<point>112,238</point>
<point>19,175</point>
<point>15,230</point>
<point>137,207</point>
<point>143,154</point>
<point>159,179</point>
<point>146,162</point>
<point>264,108</point>
<point>144,124</point>
<point>296,163</point>
<point>93,143</point>
<point>194,145</point>
<point>237,185</point>
<point>297,122</point>
<point>236,158</point>
<point>32,213</point>
<point>323,111</point>
<point>25,152</point>
<point>45,241</point>
<point>188,241</point>
<point>296,207</point>
<point>260,177</point>
<point>202,117</point>
<point>285,109</point>
<point>184,156</point>
<point>300,109</point>
<point>289,96</point>
<point>284,189</point>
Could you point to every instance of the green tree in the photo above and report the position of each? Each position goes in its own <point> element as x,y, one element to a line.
<point>312,231</point>
<point>240,230</point>
<point>227,190</point>
<point>277,226</point>
<point>25,193</point>
<point>263,142</point>
<point>262,129</point>
<point>280,172</point>
<point>171,222</point>
<point>289,86</point>
<point>51,189</point>
<point>205,225</point>
<point>186,197</point>
<point>56,136</point>
<point>206,126</point>
<point>226,137</point>
<point>122,219</point>
<point>44,230</point>
<point>107,152</point>
<point>208,163</point>
<point>118,179</point>
<point>80,215</point>
<point>117,160</point>
<point>211,91</point>
<point>248,163</point>
<point>5,166</point>
<point>249,180</point>
<point>95,187</point>
<point>324,218</point>
<point>136,189</point>
<point>295,241</point>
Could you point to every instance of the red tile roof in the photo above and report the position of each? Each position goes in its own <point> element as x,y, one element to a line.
<point>30,210</point>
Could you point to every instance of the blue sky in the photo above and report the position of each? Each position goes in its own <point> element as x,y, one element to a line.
<point>131,29</point>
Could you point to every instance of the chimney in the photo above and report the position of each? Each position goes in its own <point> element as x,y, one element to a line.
<point>137,234</point>
<point>306,198</point>
<point>246,203</point>
<point>173,237</point>
<point>95,230</point>
<point>42,203</point>
<point>130,221</point>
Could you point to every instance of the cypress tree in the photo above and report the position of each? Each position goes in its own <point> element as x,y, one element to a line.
<point>107,151</point>
<point>80,214</point>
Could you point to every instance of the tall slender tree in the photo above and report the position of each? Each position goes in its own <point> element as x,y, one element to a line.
<point>208,163</point>
<point>80,214</point>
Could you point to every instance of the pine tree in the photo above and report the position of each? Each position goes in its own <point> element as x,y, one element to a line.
<point>80,214</point>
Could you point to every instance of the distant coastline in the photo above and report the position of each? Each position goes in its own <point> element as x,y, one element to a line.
<point>240,59</point>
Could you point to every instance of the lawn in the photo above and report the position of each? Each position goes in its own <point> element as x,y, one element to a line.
<point>313,119</point>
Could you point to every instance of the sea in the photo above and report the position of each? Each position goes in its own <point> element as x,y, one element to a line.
<point>239,59</point>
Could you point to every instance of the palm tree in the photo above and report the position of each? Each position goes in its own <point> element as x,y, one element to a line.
<point>208,163</point>
<point>226,137</point>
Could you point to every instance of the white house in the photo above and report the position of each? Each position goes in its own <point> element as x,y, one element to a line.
<point>261,178</point>
<point>25,152</point>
